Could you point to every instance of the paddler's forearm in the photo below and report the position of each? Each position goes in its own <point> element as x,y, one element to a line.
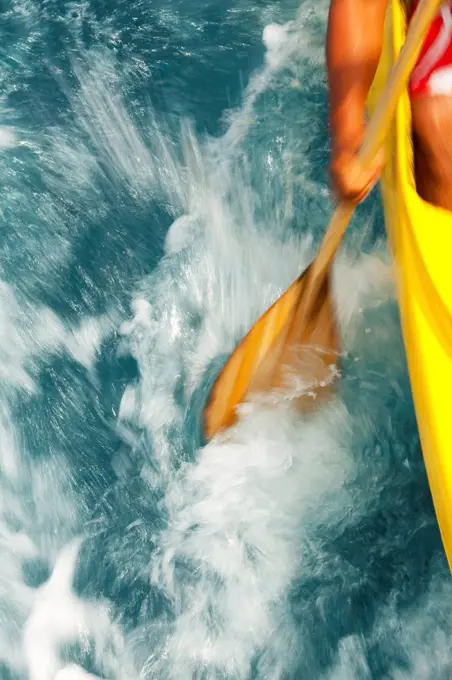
<point>353,49</point>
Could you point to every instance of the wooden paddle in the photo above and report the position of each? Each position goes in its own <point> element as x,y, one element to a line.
<point>297,338</point>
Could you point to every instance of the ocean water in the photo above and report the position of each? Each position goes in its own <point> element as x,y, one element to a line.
<point>163,172</point>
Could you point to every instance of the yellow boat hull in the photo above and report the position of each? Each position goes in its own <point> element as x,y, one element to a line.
<point>420,237</point>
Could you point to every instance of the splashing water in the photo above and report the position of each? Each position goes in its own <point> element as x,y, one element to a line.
<point>155,203</point>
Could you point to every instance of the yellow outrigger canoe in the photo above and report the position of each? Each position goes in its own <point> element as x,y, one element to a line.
<point>420,237</point>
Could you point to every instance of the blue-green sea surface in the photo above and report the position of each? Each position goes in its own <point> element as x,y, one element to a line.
<point>163,172</point>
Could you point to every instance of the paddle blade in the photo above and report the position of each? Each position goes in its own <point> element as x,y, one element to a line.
<point>298,332</point>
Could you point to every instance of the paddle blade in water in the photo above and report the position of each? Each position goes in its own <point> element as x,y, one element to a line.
<point>296,339</point>
<point>298,334</point>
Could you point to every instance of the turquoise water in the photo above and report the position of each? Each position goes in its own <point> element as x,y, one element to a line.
<point>163,172</point>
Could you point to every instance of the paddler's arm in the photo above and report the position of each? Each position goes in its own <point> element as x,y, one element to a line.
<point>353,50</point>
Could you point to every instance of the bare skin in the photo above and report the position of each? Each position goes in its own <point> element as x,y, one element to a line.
<point>432,126</point>
<point>354,45</point>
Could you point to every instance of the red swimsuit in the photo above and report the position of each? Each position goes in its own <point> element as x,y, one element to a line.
<point>432,74</point>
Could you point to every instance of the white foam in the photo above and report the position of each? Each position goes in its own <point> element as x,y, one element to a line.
<point>274,36</point>
<point>73,672</point>
<point>28,332</point>
<point>352,660</point>
<point>239,520</point>
<point>179,234</point>
<point>103,114</point>
<point>83,343</point>
<point>7,137</point>
<point>58,617</point>
<point>364,282</point>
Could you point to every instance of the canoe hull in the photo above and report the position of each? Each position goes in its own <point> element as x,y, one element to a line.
<point>420,237</point>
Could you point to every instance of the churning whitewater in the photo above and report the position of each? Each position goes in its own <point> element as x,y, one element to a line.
<point>164,180</point>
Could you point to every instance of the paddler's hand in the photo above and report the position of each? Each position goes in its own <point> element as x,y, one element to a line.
<point>351,180</point>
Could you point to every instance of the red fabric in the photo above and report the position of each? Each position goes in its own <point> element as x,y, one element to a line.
<point>420,85</point>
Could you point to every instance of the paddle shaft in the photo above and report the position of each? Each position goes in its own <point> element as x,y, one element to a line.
<point>303,316</point>
<point>376,132</point>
